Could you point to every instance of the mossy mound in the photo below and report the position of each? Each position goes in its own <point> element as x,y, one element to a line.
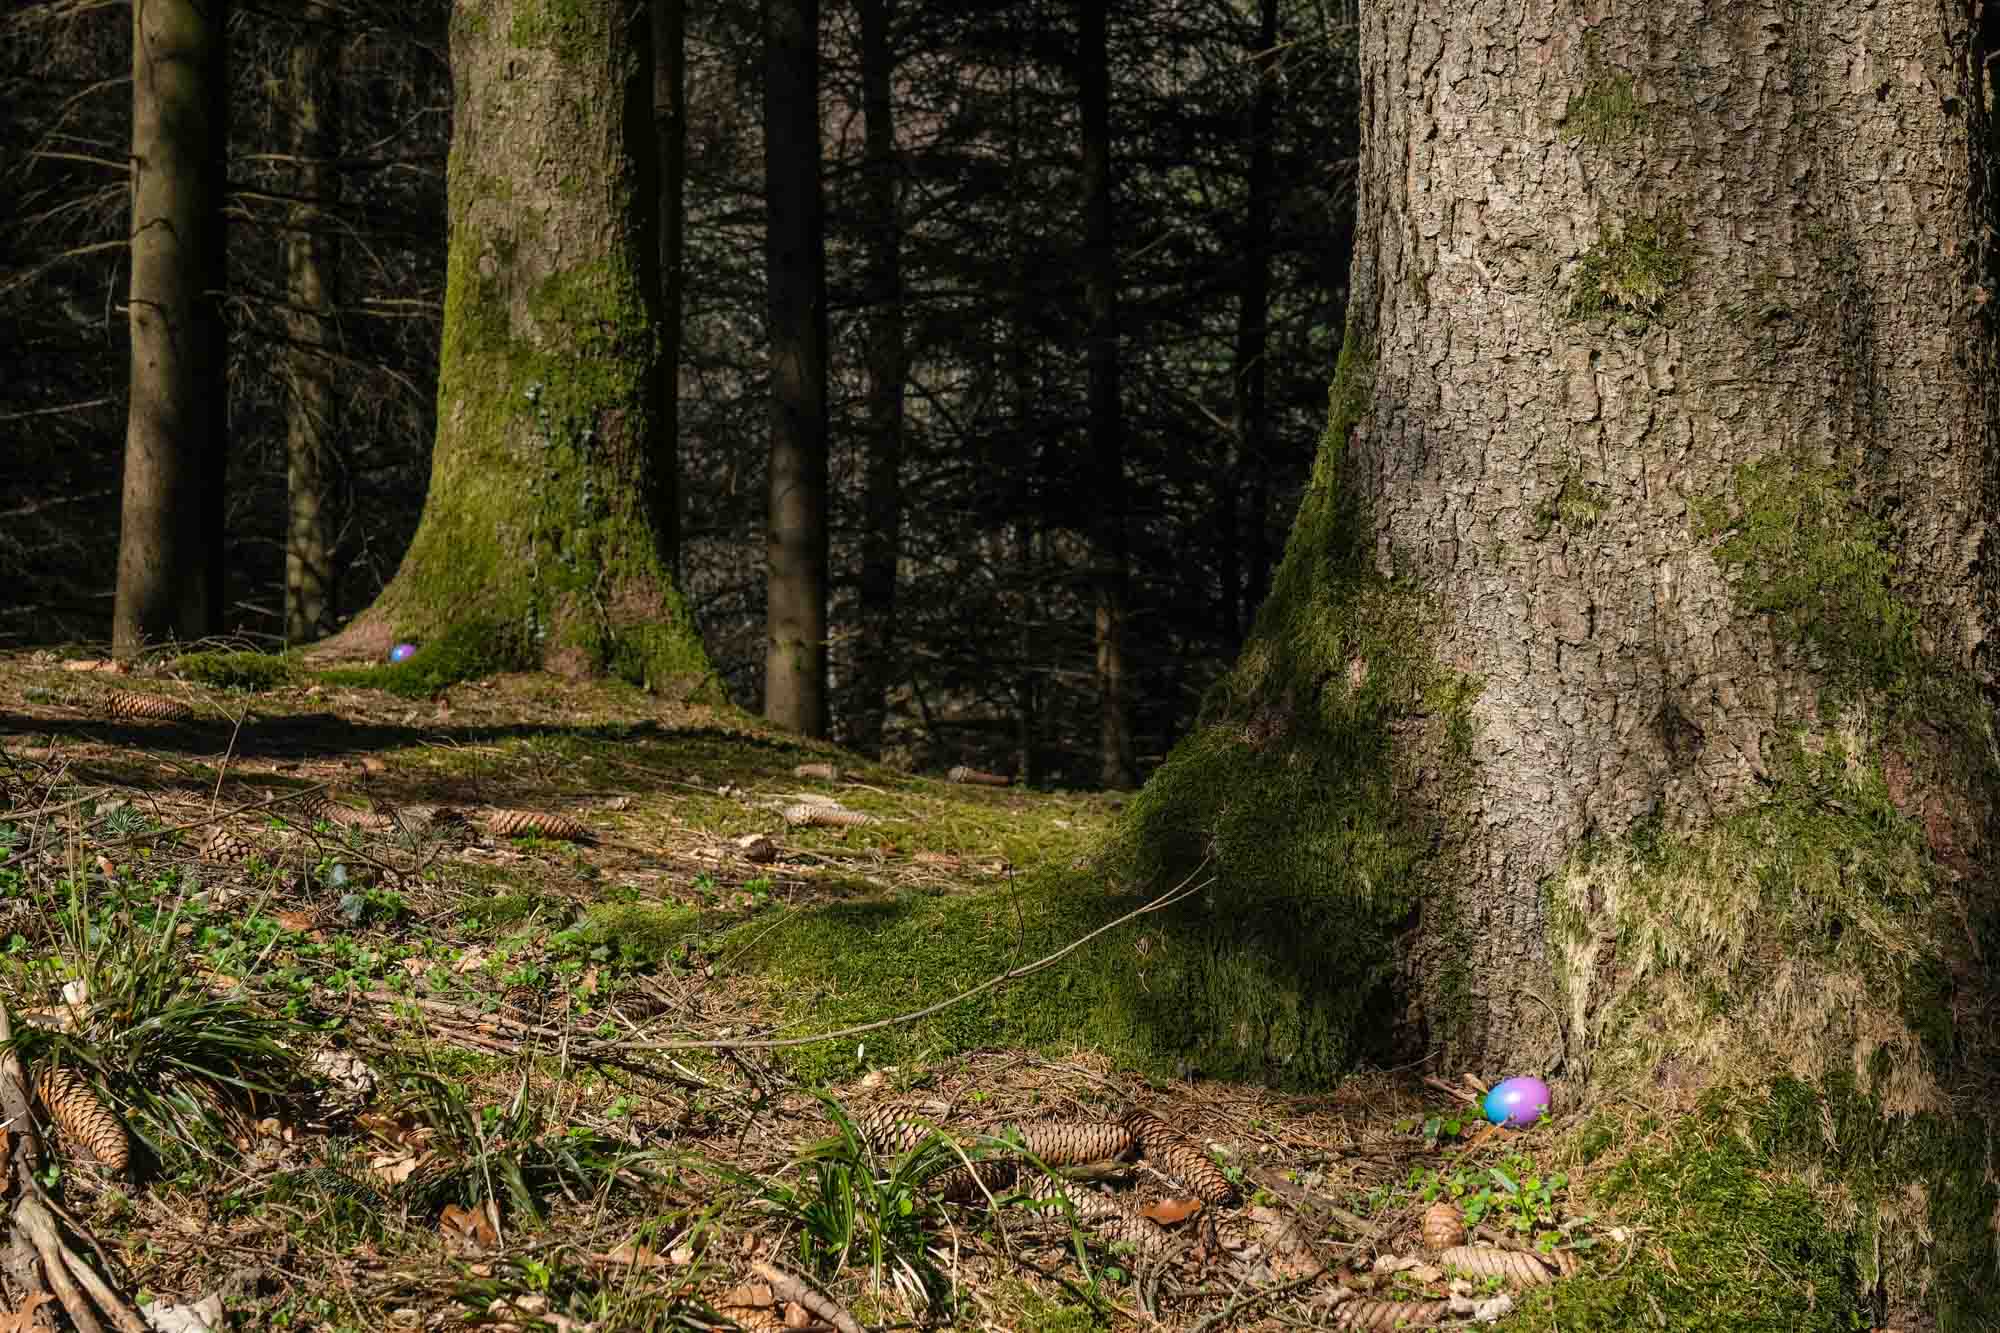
<point>1725,1241</point>
<point>468,650</point>
<point>1799,962</point>
<point>252,672</point>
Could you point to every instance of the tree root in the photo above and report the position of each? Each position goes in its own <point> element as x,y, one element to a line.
<point>36,1256</point>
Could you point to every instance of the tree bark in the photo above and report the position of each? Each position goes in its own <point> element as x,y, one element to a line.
<point>1107,441</point>
<point>669,19</point>
<point>311,256</point>
<point>795,250</point>
<point>539,542</point>
<point>176,435</point>
<point>1253,311</point>
<point>1619,708</point>
<point>882,506</point>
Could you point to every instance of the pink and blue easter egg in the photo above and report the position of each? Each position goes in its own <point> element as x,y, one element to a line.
<point>402,652</point>
<point>1517,1102</point>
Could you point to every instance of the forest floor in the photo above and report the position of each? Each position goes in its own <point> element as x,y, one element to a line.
<point>480,1090</point>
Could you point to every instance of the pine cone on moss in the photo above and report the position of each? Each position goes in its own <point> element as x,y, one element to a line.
<point>87,1125</point>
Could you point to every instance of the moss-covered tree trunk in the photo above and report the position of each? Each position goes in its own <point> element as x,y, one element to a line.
<point>1616,710</point>
<point>538,541</point>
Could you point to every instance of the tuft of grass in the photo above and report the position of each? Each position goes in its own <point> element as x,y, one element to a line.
<point>179,1062</point>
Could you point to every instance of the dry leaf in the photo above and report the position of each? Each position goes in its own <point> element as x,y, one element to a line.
<point>474,1230</point>
<point>393,1168</point>
<point>370,764</point>
<point>756,1294</point>
<point>104,864</point>
<point>204,1316</point>
<point>632,1254</point>
<point>23,1320</point>
<point>1167,1212</point>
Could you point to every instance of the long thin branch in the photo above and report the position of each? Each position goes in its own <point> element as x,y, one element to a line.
<point>1185,889</point>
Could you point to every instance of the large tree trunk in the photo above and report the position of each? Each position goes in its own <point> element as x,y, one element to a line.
<point>1617,711</point>
<point>882,506</point>
<point>795,248</point>
<point>1107,423</point>
<point>176,435</point>
<point>311,253</point>
<point>538,543</point>
<point>670,142</point>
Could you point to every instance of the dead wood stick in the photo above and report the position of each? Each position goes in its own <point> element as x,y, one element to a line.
<point>788,1287</point>
<point>32,1218</point>
<point>32,1215</point>
<point>1185,889</point>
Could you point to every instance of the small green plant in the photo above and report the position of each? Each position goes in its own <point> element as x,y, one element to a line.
<point>846,1201</point>
<point>157,1045</point>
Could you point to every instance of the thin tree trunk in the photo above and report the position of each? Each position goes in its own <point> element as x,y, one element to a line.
<point>669,20</point>
<point>1107,443</point>
<point>1252,341</point>
<point>881,539</point>
<point>795,247</point>
<point>176,436</point>
<point>311,254</point>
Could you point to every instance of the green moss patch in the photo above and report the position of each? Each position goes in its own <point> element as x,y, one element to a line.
<point>1796,959</point>
<point>1806,554</point>
<point>467,650</point>
<point>253,672</point>
<point>1631,271</point>
<point>1605,110</point>
<point>1725,1242</point>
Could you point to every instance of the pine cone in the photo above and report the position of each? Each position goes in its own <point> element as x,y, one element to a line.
<point>344,816</point>
<point>961,773</point>
<point>150,707</point>
<point>226,847</point>
<point>517,823</point>
<point>1443,1226</point>
<point>87,1125</point>
<point>1169,1148</point>
<point>827,772</point>
<point>832,816</point>
<point>526,1001</point>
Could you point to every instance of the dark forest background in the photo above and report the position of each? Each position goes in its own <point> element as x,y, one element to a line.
<point>993,616</point>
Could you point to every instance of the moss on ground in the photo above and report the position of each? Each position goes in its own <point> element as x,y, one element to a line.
<point>467,650</point>
<point>252,672</point>
<point>1727,1242</point>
